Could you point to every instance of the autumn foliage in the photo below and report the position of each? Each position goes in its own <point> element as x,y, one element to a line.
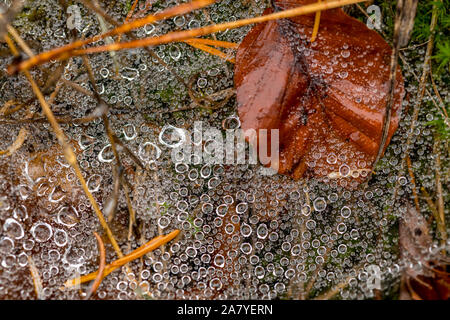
<point>326,97</point>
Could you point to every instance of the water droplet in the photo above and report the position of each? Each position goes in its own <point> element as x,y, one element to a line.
<point>60,237</point>
<point>175,52</point>
<point>246,230</point>
<point>205,171</point>
<point>222,210</point>
<point>149,152</point>
<point>191,252</point>
<point>262,231</point>
<point>68,216</point>
<point>295,251</point>
<point>331,158</point>
<point>241,208</point>
<point>106,155</point>
<point>345,53</point>
<point>341,228</point>
<point>344,170</point>
<point>346,212</point>
<point>232,123</point>
<point>129,132</point>
<point>85,141</point>
<point>13,228</point>
<point>172,137</point>
<point>246,248</point>
<point>6,245</point>
<point>219,261</point>
<point>56,195</point>
<point>259,272</point>
<point>320,204</point>
<point>41,231</point>
<point>129,73</point>
<point>163,222</point>
<point>215,284</point>
<point>306,210</point>
<point>149,28</point>
<point>94,182</point>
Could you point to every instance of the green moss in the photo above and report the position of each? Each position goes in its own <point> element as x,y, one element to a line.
<point>37,14</point>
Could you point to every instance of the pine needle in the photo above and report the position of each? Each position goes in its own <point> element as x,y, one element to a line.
<point>37,282</point>
<point>316,25</point>
<point>71,50</point>
<point>101,268</point>
<point>136,254</point>
<point>214,43</point>
<point>210,50</point>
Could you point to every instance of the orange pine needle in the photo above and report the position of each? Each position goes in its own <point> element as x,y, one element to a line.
<point>67,52</point>
<point>139,252</point>
<point>210,50</point>
<point>62,52</point>
<point>101,268</point>
<point>316,25</point>
<point>186,34</point>
<point>129,15</point>
<point>37,282</point>
<point>214,43</point>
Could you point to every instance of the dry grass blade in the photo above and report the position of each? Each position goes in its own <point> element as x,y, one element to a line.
<point>406,10</point>
<point>404,21</point>
<point>413,181</point>
<point>101,268</point>
<point>210,50</point>
<point>439,192</point>
<point>139,252</point>
<point>71,50</point>
<point>438,95</point>
<point>23,133</point>
<point>37,282</point>
<point>422,83</point>
<point>69,154</point>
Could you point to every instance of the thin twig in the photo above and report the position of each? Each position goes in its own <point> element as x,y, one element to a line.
<point>129,15</point>
<point>211,50</point>
<point>23,133</point>
<point>439,191</point>
<point>413,181</point>
<point>422,83</point>
<point>37,282</point>
<point>316,25</point>
<point>136,254</point>
<point>101,268</point>
<point>69,154</point>
<point>214,43</point>
<point>404,20</point>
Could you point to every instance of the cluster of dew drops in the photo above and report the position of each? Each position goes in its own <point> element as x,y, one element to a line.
<point>296,238</point>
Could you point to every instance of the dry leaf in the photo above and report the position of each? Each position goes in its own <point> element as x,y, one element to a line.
<point>426,275</point>
<point>327,98</point>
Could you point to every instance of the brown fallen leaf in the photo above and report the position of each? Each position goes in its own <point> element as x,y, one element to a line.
<point>327,98</point>
<point>426,276</point>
